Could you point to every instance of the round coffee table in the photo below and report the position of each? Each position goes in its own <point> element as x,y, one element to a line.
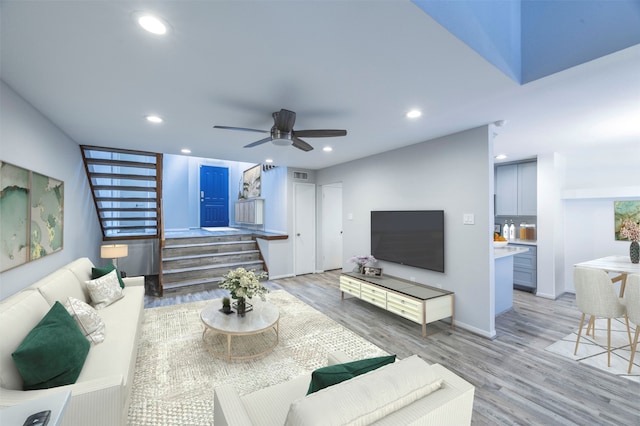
<point>264,317</point>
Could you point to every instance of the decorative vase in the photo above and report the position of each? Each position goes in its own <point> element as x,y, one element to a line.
<point>634,252</point>
<point>242,306</point>
<point>360,268</point>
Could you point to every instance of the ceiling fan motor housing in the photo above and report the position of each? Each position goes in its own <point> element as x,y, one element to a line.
<point>280,138</point>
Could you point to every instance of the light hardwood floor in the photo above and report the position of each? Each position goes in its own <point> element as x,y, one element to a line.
<point>517,381</point>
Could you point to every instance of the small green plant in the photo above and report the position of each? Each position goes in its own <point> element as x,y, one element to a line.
<point>226,302</point>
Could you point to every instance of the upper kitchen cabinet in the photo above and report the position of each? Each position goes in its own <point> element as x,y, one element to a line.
<point>516,189</point>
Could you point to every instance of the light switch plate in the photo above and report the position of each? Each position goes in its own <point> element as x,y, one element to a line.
<point>468,219</point>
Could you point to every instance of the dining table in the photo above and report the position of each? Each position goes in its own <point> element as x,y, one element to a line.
<point>621,265</point>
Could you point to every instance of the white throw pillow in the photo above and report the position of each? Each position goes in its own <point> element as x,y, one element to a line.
<point>105,290</point>
<point>87,319</point>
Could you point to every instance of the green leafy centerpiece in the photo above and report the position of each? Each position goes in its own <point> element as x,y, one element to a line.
<point>244,285</point>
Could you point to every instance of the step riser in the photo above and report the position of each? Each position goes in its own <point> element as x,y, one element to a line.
<point>209,273</point>
<point>169,252</point>
<point>169,265</point>
<point>211,239</point>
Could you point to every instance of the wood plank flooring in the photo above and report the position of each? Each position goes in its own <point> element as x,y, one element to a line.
<point>517,381</point>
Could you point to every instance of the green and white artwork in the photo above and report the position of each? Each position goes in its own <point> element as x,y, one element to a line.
<point>31,215</point>
<point>14,216</point>
<point>625,210</point>
<point>46,215</point>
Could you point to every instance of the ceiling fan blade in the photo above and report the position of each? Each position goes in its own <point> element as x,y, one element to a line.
<point>244,129</point>
<point>300,144</point>
<point>327,133</point>
<point>260,142</point>
<point>284,120</point>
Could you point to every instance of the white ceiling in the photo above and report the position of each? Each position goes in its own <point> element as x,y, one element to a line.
<point>353,65</point>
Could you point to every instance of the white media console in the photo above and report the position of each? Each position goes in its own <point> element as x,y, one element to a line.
<point>419,303</point>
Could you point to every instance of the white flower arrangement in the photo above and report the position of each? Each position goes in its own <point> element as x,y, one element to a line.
<point>243,283</point>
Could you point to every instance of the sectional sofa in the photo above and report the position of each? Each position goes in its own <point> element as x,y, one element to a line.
<point>100,396</point>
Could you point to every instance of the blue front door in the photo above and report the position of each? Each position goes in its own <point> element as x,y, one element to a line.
<point>214,196</point>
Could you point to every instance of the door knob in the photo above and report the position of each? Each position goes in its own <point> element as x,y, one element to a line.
<point>298,234</point>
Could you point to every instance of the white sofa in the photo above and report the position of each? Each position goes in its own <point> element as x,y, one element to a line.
<point>396,394</point>
<point>101,394</point>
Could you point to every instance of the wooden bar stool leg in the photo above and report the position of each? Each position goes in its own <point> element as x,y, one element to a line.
<point>579,332</point>
<point>634,346</point>
<point>608,342</point>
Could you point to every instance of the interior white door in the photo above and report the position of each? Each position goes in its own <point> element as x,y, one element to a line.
<point>331,226</point>
<point>304,220</point>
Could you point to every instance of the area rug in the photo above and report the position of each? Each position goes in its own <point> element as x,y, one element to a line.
<point>176,372</point>
<point>593,352</point>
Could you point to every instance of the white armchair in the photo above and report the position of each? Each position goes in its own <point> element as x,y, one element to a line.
<point>632,302</point>
<point>596,296</point>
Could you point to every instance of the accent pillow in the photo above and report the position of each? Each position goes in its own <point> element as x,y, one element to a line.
<point>100,272</point>
<point>87,319</point>
<point>105,290</point>
<point>334,374</point>
<point>53,353</point>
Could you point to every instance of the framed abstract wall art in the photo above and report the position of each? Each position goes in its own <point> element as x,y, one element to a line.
<point>251,182</point>
<point>623,210</point>
<point>31,215</point>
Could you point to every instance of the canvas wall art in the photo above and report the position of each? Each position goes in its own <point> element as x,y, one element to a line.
<point>625,210</point>
<point>251,182</point>
<point>31,215</point>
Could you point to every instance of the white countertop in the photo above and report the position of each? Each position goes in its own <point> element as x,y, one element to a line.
<point>508,251</point>
<point>524,242</point>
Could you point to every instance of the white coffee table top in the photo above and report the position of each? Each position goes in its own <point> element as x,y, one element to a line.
<point>263,316</point>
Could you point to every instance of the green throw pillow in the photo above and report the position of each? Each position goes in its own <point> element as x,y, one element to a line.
<point>99,272</point>
<point>53,353</point>
<point>334,374</point>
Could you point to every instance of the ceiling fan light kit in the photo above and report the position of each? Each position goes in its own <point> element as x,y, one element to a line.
<point>282,133</point>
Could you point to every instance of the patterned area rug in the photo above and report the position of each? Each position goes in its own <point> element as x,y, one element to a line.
<point>176,372</point>
<point>593,352</point>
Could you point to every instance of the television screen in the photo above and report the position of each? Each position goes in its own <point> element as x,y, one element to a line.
<point>412,237</point>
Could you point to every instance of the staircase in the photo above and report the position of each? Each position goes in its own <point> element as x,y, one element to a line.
<point>199,262</point>
<point>127,188</point>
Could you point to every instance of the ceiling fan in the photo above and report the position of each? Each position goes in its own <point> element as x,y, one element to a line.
<point>282,132</point>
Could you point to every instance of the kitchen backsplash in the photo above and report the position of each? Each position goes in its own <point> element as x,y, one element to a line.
<point>517,221</point>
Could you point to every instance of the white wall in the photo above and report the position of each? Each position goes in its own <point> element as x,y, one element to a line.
<point>30,140</point>
<point>594,179</point>
<point>453,173</point>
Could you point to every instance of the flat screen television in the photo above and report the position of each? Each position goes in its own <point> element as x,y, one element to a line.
<point>410,237</point>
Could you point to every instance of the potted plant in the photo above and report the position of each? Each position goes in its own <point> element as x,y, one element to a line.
<point>226,305</point>
<point>244,284</point>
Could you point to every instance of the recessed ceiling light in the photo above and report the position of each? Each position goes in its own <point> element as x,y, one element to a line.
<point>154,119</point>
<point>327,149</point>
<point>268,160</point>
<point>414,113</point>
<point>152,24</point>
<point>501,157</point>
<point>185,151</point>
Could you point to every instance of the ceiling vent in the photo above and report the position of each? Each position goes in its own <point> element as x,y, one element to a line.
<point>301,175</point>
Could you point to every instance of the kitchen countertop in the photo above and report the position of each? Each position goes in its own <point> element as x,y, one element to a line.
<point>508,251</point>
<point>524,242</point>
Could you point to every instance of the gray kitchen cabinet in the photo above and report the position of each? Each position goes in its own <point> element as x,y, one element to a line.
<point>516,189</point>
<point>525,269</point>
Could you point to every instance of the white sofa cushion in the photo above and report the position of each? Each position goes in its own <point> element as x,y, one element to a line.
<point>367,398</point>
<point>59,285</point>
<point>19,314</point>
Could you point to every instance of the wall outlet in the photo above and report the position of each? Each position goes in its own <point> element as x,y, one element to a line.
<point>468,219</point>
